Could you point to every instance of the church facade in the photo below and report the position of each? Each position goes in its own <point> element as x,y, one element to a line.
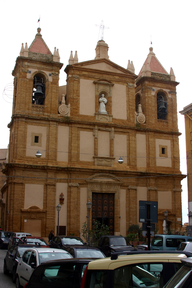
<point>80,130</point>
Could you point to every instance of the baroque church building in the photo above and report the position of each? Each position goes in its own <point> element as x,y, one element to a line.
<point>104,113</point>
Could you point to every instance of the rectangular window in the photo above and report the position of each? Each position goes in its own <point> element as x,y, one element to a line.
<point>163,151</point>
<point>36,139</point>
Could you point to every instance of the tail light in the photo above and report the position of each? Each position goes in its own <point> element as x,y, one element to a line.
<point>26,285</point>
<point>84,278</point>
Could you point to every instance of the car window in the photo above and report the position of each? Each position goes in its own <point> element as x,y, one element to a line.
<point>105,241</point>
<point>89,253</point>
<point>173,242</point>
<point>181,276</point>
<point>26,256</point>
<point>71,241</point>
<point>46,256</point>
<point>32,259</point>
<point>117,241</point>
<point>66,273</point>
<point>98,278</point>
<point>20,251</point>
<point>157,241</point>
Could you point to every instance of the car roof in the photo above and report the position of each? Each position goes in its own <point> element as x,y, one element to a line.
<point>45,250</point>
<point>68,260</point>
<point>84,247</point>
<point>187,261</point>
<point>33,237</point>
<point>172,236</point>
<point>108,263</point>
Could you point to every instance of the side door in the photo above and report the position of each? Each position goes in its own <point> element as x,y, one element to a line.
<point>23,268</point>
<point>10,258</point>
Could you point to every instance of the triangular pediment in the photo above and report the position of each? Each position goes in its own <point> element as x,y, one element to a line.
<point>104,65</point>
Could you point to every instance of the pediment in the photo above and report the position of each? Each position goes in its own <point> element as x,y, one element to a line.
<point>104,65</point>
<point>103,177</point>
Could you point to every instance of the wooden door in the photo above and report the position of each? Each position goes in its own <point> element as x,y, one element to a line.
<point>103,209</point>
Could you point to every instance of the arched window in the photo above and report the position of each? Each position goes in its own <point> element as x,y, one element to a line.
<point>38,96</point>
<point>137,102</point>
<point>161,106</point>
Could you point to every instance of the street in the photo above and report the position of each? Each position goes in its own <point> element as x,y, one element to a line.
<point>5,280</point>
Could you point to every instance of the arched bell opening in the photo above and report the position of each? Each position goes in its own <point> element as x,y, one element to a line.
<point>161,106</point>
<point>38,96</point>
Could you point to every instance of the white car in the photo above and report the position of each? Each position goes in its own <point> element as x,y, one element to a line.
<point>32,257</point>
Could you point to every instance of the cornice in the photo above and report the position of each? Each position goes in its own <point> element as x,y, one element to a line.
<point>71,120</point>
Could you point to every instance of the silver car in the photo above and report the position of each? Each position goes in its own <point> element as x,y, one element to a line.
<point>32,257</point>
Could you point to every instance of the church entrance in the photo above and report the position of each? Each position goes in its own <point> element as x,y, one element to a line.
<point>103,209</point>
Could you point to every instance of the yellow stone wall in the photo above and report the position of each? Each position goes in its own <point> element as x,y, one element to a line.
<point>80,152</point>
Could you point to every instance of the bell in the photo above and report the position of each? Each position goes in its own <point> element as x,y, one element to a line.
<point>162,106</point>
<point>39,90</point>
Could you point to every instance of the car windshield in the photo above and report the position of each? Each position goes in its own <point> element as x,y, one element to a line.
<point>20,251</point>
<point>46,256</point>
<point>182,246</point>
<point>89,253</point>
<point>35,241</point>
<point>181,275</point>
<point>117,241</point>
<point>157,241</point>
<point>2,235</point>
<point>72,241</point>
<point>5,234</point>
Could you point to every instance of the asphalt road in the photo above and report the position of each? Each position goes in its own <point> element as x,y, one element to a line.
<point>5,280</point>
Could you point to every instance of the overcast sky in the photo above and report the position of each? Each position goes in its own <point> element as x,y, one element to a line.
<point>75,25</point>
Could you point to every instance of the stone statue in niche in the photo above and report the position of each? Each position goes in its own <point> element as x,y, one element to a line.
<point>102,103</point>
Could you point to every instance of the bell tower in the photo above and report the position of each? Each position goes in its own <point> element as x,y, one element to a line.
<point>36,77</point>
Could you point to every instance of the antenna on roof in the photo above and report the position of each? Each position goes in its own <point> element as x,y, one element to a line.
<point>101,28</point>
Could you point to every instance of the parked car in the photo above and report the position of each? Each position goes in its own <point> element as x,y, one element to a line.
<point>81,251</point>
<point>168,242</point>
<point>66,241</point>
<point>18,235</point>
<point>12,258</point>
<point>183,277</point>
<point>4,238</point>
<point>58,273</point>
<point>34,240</point>
<point>109,244</point>
<point>32,257</point>
<point>139,269</point>
<point>186,247</point>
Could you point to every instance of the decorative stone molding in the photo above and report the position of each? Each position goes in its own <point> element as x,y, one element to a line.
<point>140,117</point>
<point>101,86</point>
<point>130,85</point>
<point>103,117</point>
<point>75,77</point>
<point>73,184</point>
<point>132,187</point>
<point>63,108</point>
<point>104,161</point>
<point>38,108</point>
<point>152,188</point>
<point>177,190</point>
<point>95,132</point>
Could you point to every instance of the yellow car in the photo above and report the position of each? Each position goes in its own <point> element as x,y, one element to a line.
<point>143,269</point>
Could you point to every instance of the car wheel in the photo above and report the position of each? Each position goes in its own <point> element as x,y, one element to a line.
<point>5,271</point>
<point>14,274</point>
<point>17,283</point>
